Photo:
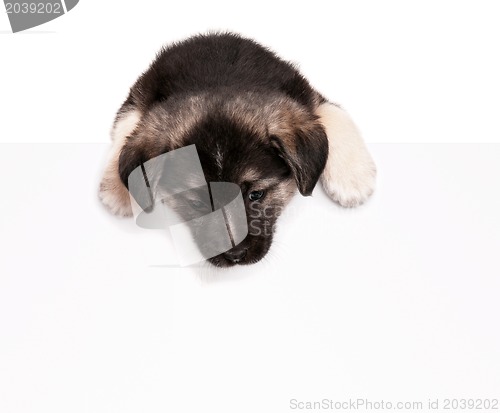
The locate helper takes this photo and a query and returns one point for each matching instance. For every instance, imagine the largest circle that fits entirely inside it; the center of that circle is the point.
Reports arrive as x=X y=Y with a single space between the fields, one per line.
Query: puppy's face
x=268 y=161
x=229 y=152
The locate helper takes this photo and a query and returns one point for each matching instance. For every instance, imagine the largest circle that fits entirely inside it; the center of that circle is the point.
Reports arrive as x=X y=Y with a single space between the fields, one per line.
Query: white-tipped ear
x=349 y=175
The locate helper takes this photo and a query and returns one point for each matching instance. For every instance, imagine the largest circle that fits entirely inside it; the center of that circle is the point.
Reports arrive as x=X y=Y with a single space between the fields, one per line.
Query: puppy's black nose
x=235 y=254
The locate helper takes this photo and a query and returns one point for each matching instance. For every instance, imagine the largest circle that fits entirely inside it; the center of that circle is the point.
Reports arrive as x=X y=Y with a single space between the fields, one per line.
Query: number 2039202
x=33 y=8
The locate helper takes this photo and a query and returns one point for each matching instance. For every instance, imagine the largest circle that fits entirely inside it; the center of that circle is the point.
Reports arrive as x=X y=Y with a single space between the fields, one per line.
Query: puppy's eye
x=197 y=205
x=255 y=195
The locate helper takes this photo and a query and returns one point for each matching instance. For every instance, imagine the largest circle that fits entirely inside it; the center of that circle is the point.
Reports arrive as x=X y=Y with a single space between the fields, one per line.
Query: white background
x=408 y=72
x=396 y=300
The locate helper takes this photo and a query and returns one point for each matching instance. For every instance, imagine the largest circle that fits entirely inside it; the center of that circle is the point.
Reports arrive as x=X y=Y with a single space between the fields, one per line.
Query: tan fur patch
x=112 y=192
x=350 y=173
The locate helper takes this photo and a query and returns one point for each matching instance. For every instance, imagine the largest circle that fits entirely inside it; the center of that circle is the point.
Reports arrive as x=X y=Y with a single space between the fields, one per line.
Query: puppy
x=255 y=121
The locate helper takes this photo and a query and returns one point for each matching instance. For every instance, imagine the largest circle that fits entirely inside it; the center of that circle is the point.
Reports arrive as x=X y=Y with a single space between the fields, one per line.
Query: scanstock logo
x=205 y=219
x=26 y=14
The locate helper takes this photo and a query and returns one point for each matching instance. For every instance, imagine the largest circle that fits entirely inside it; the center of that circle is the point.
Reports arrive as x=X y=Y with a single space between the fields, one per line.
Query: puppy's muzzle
x=235 y=254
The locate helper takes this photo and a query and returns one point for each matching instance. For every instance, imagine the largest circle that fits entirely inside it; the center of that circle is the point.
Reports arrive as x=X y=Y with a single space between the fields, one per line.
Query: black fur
x=253 y=108
x=212 y=62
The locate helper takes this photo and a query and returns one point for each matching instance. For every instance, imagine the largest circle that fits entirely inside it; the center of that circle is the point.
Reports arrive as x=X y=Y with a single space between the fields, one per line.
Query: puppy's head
x=268 y=150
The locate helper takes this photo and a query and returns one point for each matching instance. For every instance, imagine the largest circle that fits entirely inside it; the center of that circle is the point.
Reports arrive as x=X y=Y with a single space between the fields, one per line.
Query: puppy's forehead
x=233 y=152
x=248 y=164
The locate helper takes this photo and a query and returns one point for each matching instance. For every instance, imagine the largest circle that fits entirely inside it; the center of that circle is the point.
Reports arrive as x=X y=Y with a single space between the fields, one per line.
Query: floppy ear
x=305 y=151
x=133 y=175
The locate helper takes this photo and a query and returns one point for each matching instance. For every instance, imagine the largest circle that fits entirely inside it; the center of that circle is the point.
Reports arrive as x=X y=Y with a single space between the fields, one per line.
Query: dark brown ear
x=133 y=176
x=305 y=151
